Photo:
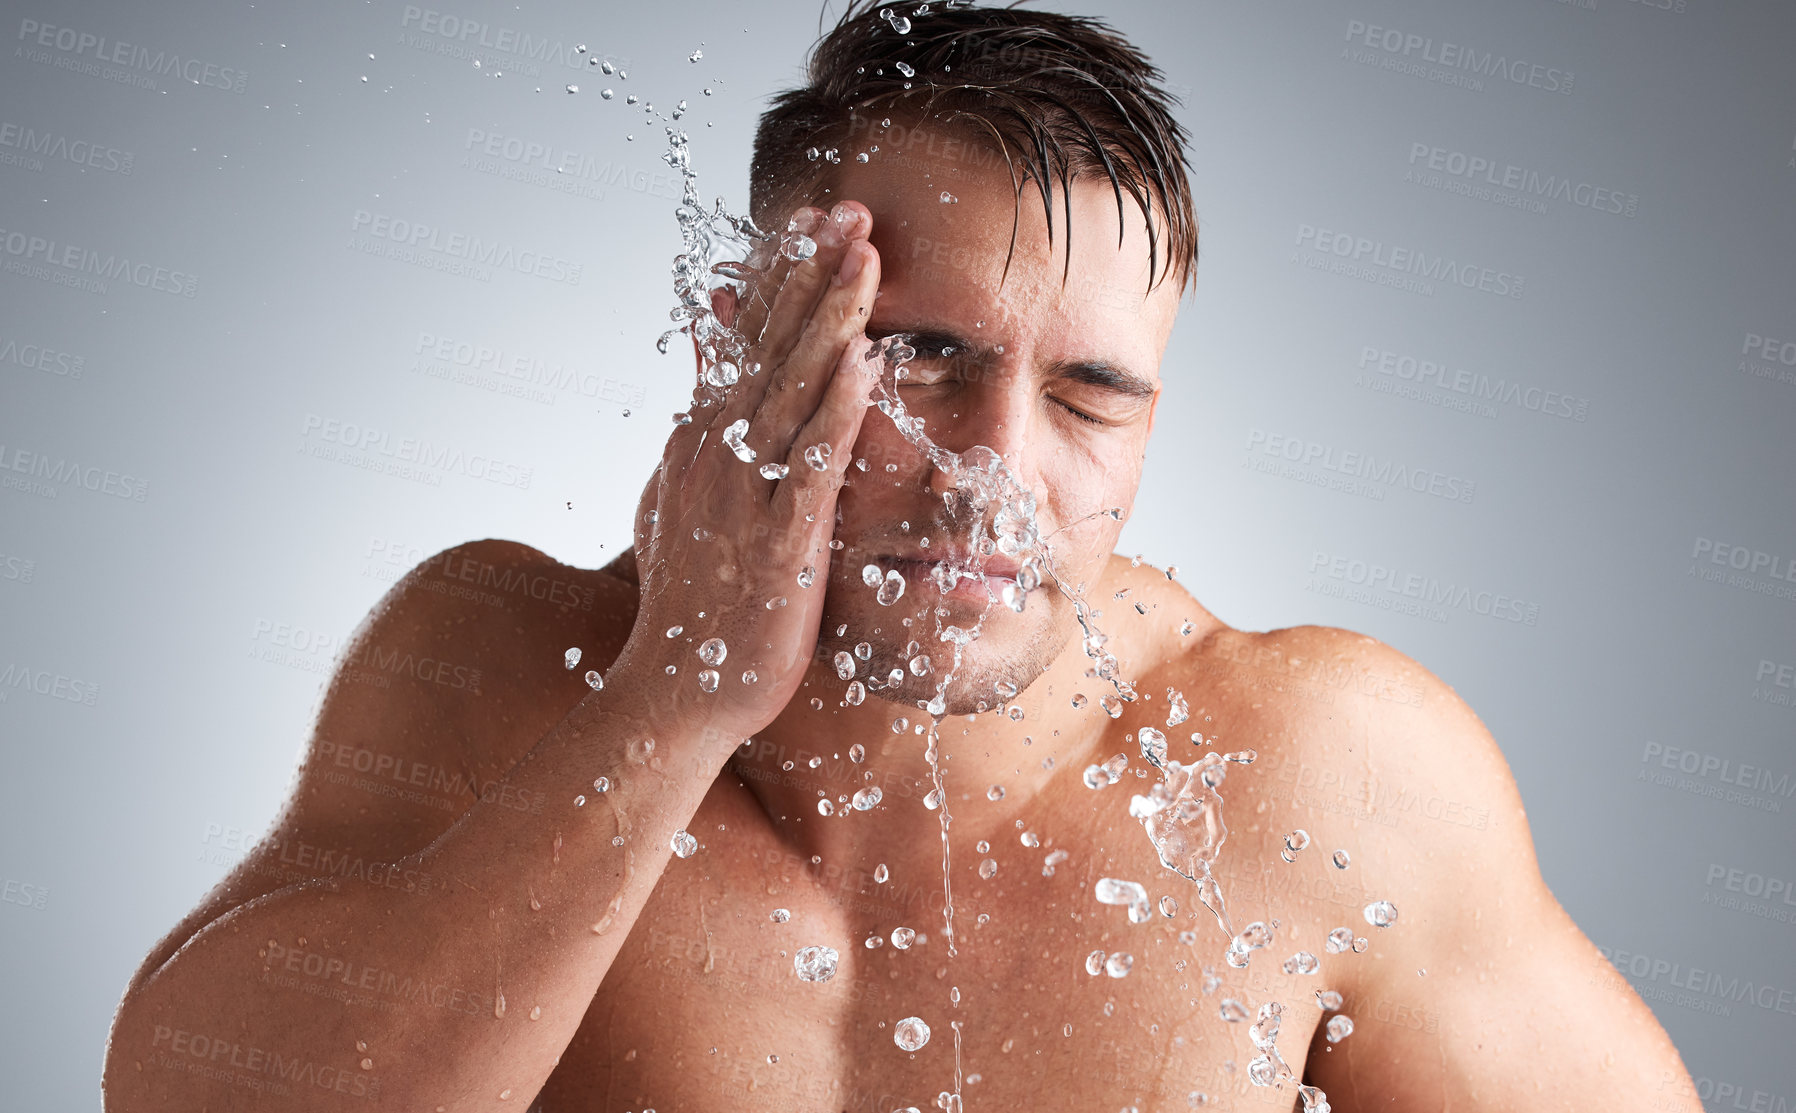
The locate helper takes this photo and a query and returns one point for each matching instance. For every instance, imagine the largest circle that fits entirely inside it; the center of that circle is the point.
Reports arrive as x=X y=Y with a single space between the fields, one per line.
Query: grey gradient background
x=136 y=779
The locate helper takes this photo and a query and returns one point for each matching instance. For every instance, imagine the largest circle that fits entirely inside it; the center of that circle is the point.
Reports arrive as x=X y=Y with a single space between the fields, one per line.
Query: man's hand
x=737 y=545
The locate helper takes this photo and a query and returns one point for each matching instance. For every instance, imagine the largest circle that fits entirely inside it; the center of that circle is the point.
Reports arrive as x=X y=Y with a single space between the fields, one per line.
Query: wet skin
x=1356 y=744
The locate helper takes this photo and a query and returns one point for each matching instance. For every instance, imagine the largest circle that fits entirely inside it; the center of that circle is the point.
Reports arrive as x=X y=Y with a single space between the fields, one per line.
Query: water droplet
x=713 y=651
x=1030 y=839
x=988 y=869
x=948 y=198
x=1232 y=1010
x=1111 y=890
x=1303 y=962
x=1113 y=769
x=675 y=631
x=815 y=964
x=891 y=588
x=806 y=575
x=1341 y=860
x=866 y=798
x=910 y=1034
x=707 y=680
x=1339 y=1028
x=857 y=692
x=572 y=657
x=684 y=845
x=1339 y=940
x=844 y=662
x=799 y=247
x=776 y=602
x=1360 y=944
x=1297 y=840
x=1381 y=913
x=995 y=793
x=1169 y=907
x=775 y=471
x=580 y=801
x=732 y=436
x=1119 y=964
x=1095 y=778
x=863 y=650
x=903 y=937
x=1153 y=745
x=573 y=88
x=1094 y=963
x=695 y=56
x=881 y=874
x=919 y=665
x=817 y=456
x=1328 y=999
x=594 y=680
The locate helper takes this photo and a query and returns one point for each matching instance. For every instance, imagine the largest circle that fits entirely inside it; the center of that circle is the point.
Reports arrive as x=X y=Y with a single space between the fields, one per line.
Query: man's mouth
x=979 y=577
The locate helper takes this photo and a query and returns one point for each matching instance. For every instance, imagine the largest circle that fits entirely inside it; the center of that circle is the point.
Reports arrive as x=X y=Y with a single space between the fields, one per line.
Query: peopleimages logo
x=75 y=47
x=426 y=461
x=28 y=147
x=473 y=250
x=28 y=254
x=1474 y=384
x=27 y=469
x=1364 y=251
x=1369 y=581
x=1362 y=465
x=1528 y=187
x=1456 y=58
x=453 y=36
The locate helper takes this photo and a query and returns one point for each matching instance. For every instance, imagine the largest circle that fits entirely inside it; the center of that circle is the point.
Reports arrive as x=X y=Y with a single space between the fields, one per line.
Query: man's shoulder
x=1306 y=684
x=494 y=583
x=493 y=616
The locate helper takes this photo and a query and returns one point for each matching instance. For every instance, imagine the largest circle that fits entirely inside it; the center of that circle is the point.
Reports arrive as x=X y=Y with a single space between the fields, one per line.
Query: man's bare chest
x=707 y=1007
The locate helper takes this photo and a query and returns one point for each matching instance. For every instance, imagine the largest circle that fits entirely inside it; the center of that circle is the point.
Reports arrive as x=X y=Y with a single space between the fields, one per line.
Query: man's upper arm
x=413 y=727
x=1483 y=994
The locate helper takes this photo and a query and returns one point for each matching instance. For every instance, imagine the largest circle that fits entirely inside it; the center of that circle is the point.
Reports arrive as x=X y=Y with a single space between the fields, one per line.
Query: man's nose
x=997 y=417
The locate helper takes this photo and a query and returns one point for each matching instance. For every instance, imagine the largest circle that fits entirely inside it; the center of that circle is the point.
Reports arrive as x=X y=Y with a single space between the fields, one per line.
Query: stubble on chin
x=1010 y=646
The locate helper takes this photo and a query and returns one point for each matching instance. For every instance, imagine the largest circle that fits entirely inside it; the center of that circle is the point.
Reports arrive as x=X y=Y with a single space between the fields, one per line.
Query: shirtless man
x=471 y=901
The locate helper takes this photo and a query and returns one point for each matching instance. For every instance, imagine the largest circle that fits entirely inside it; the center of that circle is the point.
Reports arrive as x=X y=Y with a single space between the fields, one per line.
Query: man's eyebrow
x=1105 y=376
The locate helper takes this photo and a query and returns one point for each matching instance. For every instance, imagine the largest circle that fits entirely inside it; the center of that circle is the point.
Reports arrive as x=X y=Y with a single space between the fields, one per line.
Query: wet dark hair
x=1049 y=96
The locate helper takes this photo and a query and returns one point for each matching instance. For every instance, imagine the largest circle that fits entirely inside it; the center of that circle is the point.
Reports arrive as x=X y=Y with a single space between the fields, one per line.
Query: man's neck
x=808 y=755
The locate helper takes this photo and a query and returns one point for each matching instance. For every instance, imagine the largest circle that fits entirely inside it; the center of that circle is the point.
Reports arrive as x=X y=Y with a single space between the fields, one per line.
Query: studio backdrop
x=1492 y=360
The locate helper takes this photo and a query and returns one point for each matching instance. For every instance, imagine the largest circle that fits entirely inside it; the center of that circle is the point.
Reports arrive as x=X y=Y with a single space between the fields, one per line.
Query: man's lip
x=994 y=567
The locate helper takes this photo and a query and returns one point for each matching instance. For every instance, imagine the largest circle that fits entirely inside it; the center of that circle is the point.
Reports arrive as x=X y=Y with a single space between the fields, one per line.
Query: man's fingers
x=848 y=222
x=757 y=301
x=836 y=422
x=840 y=318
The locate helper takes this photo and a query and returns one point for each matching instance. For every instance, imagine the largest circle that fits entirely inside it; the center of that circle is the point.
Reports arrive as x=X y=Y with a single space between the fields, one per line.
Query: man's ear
x=1154 y=408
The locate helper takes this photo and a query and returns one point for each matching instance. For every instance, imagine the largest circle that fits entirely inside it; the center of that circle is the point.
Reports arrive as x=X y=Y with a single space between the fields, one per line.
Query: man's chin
x=1011 y=649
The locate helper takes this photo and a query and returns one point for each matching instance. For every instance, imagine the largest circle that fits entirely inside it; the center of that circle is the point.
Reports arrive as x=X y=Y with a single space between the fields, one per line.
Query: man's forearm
x=475 y=986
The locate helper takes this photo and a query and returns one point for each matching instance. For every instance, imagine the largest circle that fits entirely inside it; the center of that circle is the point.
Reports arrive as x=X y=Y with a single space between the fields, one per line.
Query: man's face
x=1058 y=377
